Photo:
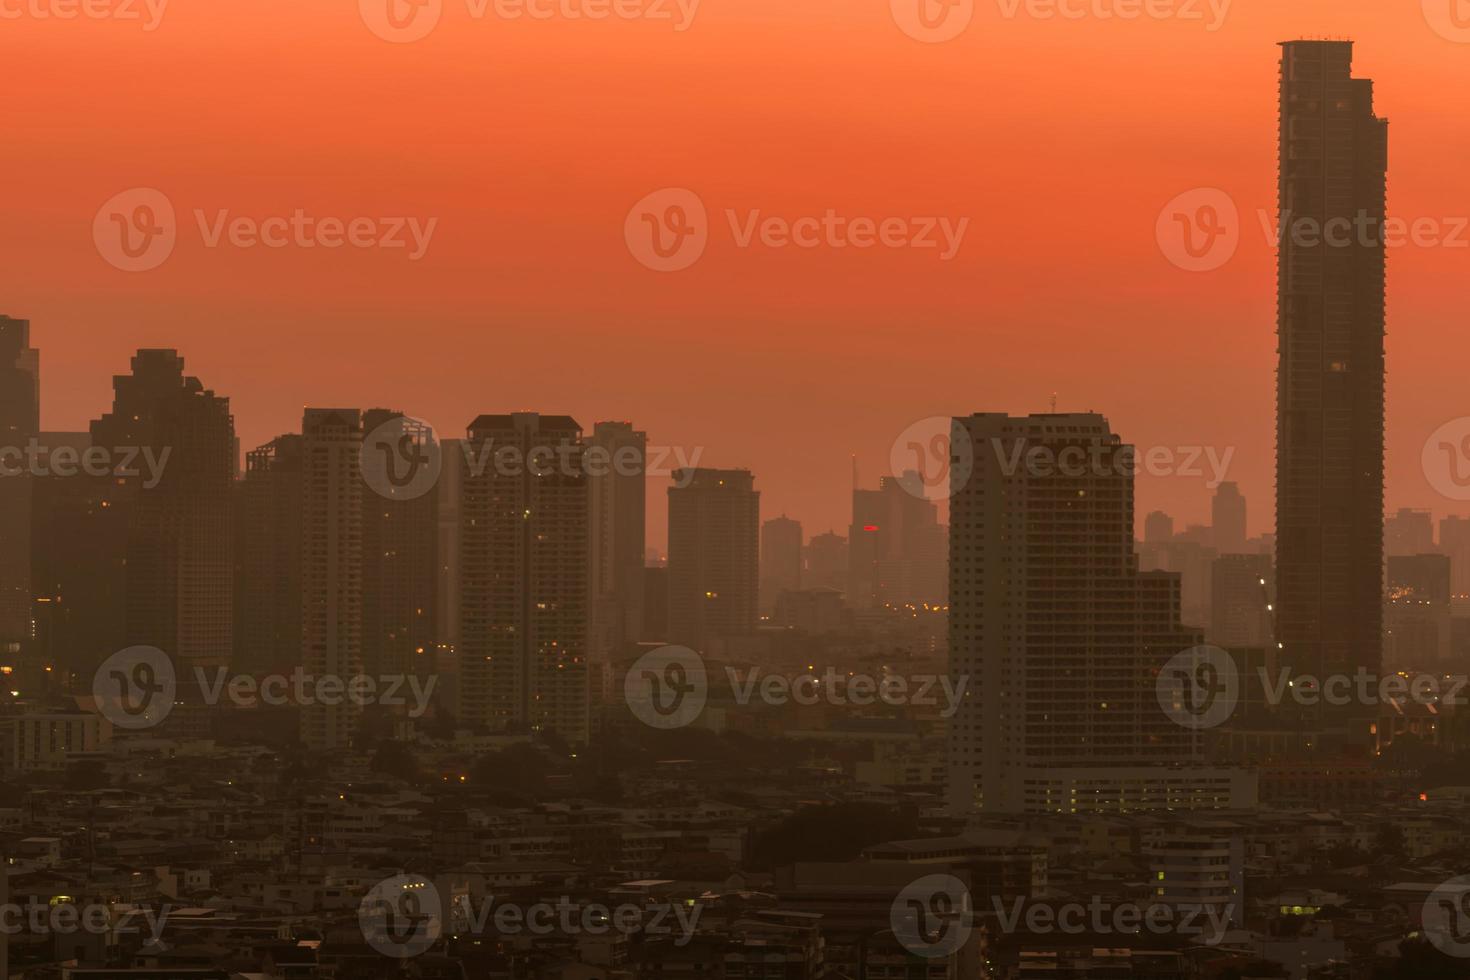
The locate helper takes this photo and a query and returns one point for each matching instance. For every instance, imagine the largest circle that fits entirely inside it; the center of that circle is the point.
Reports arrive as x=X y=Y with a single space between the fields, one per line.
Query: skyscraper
x=20 y=421
x=268 y=556
x=524 y=577
x=1330 y=377
x=331 y=569
x=1242 y=588
x=781 y=541
x=1408 y=533
x=827 y=561
x=714 y=556
x=1059 y=637
x=618 y=484
x=1228 y=519
x=399 y=570
x=179 y=567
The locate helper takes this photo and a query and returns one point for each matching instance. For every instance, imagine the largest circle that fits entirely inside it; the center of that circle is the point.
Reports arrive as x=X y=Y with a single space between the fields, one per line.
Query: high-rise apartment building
x=524 y=572
x=1407 y=533
x=827 y=562
x=400 y=544
x=268 y=557
x=1242 y=588
x=332 y=491
x=781 y=560
x=714 y=556
x=20 y=421
x=618 y=484
x=179 y=566
x=1330 y=377
x=1059 y=637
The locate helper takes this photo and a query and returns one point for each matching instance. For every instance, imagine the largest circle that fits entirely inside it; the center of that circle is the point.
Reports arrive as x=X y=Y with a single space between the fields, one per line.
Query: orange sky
x=529 y=141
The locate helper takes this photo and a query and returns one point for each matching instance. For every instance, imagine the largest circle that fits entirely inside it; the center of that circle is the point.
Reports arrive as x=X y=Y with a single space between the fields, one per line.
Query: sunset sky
x=528 y=141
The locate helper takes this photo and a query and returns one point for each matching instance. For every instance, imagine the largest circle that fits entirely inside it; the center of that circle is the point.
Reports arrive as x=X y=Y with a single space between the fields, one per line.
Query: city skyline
x=1144 y=317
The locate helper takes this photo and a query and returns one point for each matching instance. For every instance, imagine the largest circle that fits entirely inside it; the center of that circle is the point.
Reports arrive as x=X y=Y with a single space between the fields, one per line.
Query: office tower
x=1417 y=613
x=1329 y=415
x=179 y=566
x=781 y=541
x=332 y=491
x=1061 y=637
x=1242 y=590
x=20 y=422
x=827 y=561
x=714 y=556
x=1454 y=541
x=1158 y=528
x=895 y=554
x=524 y=578
x=1409 y=532
x=1228 y=519
x=617 y=480
x=399 y=568
x=268 y=559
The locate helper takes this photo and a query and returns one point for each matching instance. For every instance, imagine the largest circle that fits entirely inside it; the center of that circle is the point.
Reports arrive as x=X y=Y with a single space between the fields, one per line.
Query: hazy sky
x=527 y=142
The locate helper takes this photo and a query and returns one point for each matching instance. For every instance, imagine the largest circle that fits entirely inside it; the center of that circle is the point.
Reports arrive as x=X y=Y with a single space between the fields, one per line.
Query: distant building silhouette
x=714 y=556
x=1158 y=528
x=781 y=560
x=897 y=549
x=827 y=562
x=524 y=571
x=1407 y=533
x=1330 y=378
x=1242 y=588
x=1228 y=520
x=1417 y=617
